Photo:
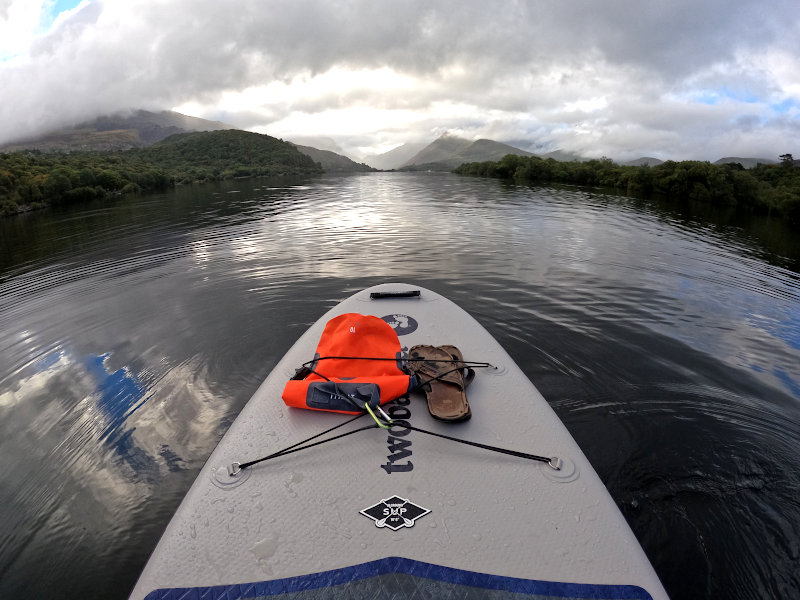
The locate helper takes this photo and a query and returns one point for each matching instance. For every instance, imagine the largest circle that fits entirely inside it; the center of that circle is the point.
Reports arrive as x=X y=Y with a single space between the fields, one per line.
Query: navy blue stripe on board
x=295 y=586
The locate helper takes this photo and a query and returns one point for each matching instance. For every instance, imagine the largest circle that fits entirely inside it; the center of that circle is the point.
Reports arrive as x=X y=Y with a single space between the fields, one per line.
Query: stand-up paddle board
x=400 y=512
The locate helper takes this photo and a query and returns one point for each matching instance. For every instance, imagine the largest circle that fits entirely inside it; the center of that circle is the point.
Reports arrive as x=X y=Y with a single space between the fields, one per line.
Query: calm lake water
x=132 y=332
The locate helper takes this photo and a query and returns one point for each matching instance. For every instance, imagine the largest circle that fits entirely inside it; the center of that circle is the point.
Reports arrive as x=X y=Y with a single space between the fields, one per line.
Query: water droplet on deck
x=265 y=548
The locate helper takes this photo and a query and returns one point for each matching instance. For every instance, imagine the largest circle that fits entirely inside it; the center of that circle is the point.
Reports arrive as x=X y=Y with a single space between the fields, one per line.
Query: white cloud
x=785 y=69
x=19 y=22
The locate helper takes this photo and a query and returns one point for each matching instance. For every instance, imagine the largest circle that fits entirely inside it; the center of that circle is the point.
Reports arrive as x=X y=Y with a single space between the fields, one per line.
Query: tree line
x=34 y=179
x=768 y=189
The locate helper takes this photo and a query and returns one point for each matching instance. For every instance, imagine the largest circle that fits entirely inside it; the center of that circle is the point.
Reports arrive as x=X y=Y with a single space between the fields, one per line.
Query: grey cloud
x=517 y=57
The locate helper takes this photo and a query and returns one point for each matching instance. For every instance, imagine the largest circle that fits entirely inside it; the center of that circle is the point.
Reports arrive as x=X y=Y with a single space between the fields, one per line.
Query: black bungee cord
x=385 y=422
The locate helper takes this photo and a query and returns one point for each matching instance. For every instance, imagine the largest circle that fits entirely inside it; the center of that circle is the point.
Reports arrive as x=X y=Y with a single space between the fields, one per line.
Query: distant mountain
x=747 y=163
x=332 y=162
x=644 y=160
x=564 y=156
x=395 y=158
x=439 y=150
x=122 y=131
x=481 y=150
x=449 y=151
x=318 y=142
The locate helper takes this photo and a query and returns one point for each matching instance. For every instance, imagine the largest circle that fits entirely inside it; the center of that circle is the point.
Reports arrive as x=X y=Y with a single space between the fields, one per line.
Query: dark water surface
x=133 y=332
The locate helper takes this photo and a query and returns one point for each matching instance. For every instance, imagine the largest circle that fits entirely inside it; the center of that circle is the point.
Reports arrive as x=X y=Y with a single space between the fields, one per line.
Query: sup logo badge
x=394 y=513
x=402 y=324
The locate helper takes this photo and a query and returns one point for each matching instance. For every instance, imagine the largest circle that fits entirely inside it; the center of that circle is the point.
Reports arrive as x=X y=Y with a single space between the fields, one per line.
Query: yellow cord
x=380 y=423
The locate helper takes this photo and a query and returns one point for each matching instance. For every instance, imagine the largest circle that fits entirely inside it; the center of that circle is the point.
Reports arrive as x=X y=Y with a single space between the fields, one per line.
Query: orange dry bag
x=358 y=361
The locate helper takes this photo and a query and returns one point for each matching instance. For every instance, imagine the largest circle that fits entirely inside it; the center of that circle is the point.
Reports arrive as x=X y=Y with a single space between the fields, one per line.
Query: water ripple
x=132 y=333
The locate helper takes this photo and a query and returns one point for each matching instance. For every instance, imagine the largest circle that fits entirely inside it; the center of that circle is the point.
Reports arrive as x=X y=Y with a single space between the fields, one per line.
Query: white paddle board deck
x=398 y=513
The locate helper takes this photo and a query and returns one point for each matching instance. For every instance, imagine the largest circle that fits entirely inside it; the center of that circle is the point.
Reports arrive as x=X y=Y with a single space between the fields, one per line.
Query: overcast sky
x=680 y=79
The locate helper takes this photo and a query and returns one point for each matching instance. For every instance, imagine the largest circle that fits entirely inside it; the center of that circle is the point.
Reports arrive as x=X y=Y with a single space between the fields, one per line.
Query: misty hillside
x=332 y=162
x=448 y=152
x=153 y=127
x=564 y=156
x=642 y=161
x=747 y=163
x=122 y=131
x=318 y=142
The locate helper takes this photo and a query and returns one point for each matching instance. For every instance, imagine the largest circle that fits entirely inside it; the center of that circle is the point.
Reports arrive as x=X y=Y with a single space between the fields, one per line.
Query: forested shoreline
x=765 y=189
x=30 y=180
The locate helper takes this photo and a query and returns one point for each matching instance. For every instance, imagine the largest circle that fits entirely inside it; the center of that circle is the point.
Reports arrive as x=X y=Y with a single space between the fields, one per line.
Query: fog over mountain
x=747 y=163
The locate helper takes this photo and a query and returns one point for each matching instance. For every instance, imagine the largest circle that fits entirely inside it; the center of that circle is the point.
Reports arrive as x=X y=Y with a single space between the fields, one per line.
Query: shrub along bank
x=768 y=189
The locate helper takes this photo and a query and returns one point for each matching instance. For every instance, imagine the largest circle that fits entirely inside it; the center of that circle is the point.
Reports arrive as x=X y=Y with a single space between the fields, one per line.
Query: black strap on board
x=235 y=468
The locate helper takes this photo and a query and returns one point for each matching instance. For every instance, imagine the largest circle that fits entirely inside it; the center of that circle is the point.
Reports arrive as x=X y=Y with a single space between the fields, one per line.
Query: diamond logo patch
x=394 y=513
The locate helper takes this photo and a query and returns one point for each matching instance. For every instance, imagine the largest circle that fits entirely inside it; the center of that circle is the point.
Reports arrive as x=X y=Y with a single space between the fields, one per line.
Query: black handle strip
x=406 y=294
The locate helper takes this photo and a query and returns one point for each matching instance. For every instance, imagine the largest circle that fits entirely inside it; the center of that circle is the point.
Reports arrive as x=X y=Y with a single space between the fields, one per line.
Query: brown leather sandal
x=444 y=378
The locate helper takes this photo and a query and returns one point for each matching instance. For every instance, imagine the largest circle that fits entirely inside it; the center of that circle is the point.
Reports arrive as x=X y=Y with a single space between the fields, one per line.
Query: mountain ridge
x=142 y=128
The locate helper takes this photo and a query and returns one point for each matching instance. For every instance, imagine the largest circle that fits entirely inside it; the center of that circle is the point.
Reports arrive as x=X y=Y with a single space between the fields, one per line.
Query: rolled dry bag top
x=358 y=360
